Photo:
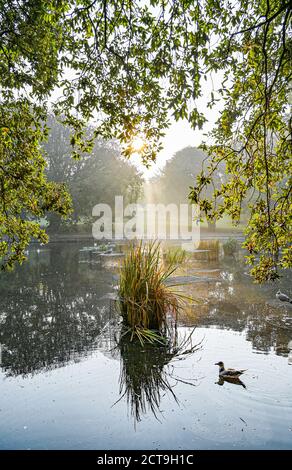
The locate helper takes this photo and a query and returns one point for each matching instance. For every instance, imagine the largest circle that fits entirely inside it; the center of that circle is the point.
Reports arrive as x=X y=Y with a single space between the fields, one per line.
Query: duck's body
x=229 y=373
x=283 y=297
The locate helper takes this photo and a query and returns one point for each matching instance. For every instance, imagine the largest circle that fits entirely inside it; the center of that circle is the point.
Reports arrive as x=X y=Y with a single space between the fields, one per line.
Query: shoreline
x=219 y=234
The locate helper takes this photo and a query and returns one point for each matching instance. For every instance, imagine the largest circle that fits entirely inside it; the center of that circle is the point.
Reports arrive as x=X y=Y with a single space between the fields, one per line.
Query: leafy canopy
x=94 y=178
x=128 y=65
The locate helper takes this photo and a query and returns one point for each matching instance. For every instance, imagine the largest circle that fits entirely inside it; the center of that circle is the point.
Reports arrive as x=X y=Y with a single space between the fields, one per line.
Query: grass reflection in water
x=147 y=373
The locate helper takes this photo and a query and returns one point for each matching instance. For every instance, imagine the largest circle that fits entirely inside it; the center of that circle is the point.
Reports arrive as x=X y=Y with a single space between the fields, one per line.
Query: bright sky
x=180 y=134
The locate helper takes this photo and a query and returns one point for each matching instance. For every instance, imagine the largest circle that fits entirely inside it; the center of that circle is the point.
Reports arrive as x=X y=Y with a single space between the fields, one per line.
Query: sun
x=138 y=144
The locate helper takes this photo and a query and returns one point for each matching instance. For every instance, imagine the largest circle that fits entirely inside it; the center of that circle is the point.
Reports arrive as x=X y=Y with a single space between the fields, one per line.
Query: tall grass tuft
x=145 y=300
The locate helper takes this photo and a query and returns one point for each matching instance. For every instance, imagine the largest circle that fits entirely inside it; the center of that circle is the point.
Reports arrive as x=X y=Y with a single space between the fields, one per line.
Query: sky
x=180 y=134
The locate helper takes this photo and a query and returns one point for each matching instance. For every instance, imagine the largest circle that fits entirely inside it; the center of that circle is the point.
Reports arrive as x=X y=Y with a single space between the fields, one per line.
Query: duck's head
x=220 y=364
x=279 y=292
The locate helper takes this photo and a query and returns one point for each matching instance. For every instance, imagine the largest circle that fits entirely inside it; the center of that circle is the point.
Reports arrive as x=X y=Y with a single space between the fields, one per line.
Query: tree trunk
x=212 y=226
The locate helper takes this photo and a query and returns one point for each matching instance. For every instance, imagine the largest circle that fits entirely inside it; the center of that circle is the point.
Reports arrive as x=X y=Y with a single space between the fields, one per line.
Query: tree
x=26 y=194
x=92 y=178
x=253 y=138
x=30 y=40
x=181 y=170
x=178 y=175
x=128 y=65
x=104 y=175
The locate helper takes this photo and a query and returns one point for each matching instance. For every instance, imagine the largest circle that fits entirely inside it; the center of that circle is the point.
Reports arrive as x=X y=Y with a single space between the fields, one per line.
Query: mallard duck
x=230 y=373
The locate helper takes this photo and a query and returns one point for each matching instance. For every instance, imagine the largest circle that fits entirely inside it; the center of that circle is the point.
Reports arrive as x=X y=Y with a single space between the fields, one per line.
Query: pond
x=67 y=382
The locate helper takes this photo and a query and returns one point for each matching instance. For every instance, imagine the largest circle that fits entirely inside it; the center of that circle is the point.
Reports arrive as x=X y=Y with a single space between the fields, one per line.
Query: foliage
x=253 y=136
x=179 y=173
x=93 y=178
x=145 y=299
x=26 y=194
x=30 y=41
x=129 y=65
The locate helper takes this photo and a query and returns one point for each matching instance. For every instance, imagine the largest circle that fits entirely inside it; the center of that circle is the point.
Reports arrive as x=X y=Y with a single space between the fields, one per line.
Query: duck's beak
x=216 y=364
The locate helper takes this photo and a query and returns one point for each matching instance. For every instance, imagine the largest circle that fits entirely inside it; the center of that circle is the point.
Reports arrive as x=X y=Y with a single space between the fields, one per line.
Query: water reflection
x=54 y=311
x=147 y=373
x=51 y=312
x=235 y=381
x=227 y=298
x=33 y=342
x=54 y=308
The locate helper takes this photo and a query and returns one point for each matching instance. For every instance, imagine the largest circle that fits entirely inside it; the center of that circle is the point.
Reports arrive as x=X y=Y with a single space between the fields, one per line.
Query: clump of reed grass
x=145 y=300
x=174 y=256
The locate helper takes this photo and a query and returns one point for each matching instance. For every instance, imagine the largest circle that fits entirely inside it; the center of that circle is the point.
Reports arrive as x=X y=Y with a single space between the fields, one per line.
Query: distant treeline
x=101 y=175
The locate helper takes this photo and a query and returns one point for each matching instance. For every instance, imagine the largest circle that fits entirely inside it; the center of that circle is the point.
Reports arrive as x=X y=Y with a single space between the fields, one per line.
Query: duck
x=283 y=297
x=230 y=373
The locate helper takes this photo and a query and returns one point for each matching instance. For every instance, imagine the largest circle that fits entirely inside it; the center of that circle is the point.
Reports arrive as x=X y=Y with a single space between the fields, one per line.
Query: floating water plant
x=147 y=304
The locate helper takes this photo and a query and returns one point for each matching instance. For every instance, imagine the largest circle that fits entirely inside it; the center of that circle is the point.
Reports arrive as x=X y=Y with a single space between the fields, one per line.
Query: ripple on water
x=266 y=402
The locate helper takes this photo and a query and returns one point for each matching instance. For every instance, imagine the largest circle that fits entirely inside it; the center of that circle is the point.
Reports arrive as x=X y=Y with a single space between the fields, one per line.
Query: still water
x=67 y=382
